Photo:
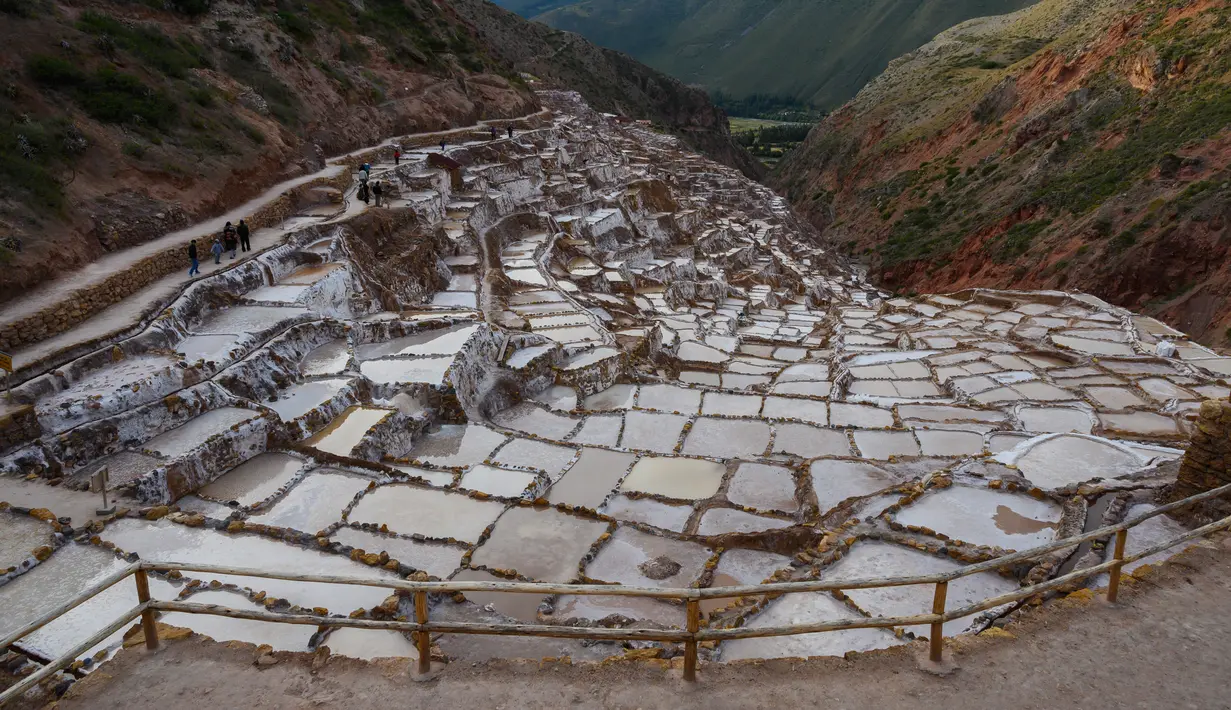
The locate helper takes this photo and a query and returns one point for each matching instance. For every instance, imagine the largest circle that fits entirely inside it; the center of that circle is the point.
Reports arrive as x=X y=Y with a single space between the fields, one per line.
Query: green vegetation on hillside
x=815 y=53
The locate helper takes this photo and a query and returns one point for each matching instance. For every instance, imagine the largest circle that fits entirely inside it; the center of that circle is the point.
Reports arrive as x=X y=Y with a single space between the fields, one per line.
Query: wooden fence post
x=1113 y=588
x=147 y=616
x=937 y=636
x=690 y=646
x=423 y=638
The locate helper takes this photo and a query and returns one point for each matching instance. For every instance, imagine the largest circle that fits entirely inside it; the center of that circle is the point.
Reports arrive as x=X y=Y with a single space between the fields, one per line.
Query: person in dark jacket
x=244 y=234
x=194 y=267
x=510 y=130
x=377 y=191
x=229 y=242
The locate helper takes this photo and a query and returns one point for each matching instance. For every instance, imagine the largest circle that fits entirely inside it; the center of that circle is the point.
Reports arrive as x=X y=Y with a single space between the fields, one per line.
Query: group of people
x=233 y=238
x=369 y=188
x=236 y=238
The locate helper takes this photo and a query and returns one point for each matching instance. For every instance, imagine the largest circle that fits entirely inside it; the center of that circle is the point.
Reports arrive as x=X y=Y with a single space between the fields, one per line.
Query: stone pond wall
x=1207 y=464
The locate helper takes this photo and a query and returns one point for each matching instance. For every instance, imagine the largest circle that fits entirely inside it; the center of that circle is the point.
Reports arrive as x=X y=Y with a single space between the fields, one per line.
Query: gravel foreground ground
x=1167 y=644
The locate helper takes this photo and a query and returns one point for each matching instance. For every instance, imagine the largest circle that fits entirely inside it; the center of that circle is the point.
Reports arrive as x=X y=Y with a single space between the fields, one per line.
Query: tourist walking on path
x=443 y=143
x=397 y=155
x=195 y=265
x=493 y=133
x=244 y=233
x=228 y=239
x=377 y=190
x=217 y=251
x=510 y=130
x=363 y=191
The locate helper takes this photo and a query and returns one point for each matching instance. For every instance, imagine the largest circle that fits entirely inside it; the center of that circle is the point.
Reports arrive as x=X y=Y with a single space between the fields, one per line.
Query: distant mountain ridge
x=816 y=51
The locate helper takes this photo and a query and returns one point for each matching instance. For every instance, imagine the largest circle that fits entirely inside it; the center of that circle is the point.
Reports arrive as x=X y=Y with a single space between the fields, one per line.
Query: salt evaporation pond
x=435 y=514
x=543 y=545
x=167 y=542
x=344 y=433
x=65 y=574
x=315 y=502
x=282 y=637
x=187 y=437
x=981 y=516
x=254 y=480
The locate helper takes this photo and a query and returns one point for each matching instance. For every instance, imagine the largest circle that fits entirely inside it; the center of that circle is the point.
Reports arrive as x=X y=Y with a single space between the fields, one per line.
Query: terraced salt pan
x=806 y=608
x=254 y=480
x=870 y=559
x=575 y=334
x=842 y=414
x=731 y=405
x=528 y=453
x=437 y=559
x=499 y=482
x=65 y=574
x=943 y=442
x=239 y=320
x=344 y=433
x=282 y=637
x=1058 y=420
x=329 y=359
x=884 y=444
x=1142 y=423
x=669 y=398
x=739 y=567
x=276 y=294
x=727 y=438
x=789 y=408
x=457 y=445
x=649 y=431
x=678 y=478
x=1060 y=460
x=437 y=514
x=720 y=521
x=19 y=536
x=544 y=545
x=455 y=299
x=648 y=511
x=441 y=341
x=834 y=481
x=985 y=517
x=808 y=442
x=210 y=348
x=588 y=482
x=592 y=357
x=531 y=419
x=297 y=400
x=524 y=356
x=425 y=370
x=315 y=503
x=165 y=541
x=630 y=553
x=616 y=397
x=599 y=430
x=186 y=438
x=763 y=487
x=558 y=398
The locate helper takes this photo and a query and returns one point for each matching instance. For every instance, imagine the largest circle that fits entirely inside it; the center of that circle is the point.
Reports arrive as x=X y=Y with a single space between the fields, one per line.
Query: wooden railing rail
x=422 y=627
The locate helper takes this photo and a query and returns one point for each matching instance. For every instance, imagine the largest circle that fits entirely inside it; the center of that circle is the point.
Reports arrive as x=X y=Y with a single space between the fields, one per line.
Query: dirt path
x=1167 y=645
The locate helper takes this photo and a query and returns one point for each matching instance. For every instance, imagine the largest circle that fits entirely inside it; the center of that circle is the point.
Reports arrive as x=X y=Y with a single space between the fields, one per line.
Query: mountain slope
x=123 y=121
x=1076 y=144
x=818 y=52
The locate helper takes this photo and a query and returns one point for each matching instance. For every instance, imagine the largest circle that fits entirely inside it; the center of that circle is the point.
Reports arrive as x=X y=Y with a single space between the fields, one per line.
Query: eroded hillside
x=1076 y=145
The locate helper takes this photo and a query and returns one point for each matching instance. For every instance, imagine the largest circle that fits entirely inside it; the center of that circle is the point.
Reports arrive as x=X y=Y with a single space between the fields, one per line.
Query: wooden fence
x=422 y=627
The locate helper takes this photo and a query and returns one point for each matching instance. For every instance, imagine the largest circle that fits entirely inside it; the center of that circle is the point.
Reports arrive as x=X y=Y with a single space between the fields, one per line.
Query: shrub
x=133 y=150
x=115 y=97
x=54 y=71
x=173 y=57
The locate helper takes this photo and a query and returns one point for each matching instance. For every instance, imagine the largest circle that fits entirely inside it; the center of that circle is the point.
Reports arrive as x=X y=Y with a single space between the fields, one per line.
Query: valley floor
x=1167 y=644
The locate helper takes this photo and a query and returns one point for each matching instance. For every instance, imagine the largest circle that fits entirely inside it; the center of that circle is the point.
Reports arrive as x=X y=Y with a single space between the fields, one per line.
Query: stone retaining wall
x=1207 y=464
x=19 y=426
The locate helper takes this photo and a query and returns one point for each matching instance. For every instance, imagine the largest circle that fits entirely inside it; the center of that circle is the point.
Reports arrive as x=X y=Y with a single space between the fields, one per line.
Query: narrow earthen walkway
x=1167 y=645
